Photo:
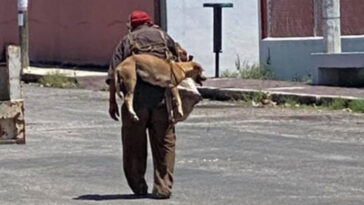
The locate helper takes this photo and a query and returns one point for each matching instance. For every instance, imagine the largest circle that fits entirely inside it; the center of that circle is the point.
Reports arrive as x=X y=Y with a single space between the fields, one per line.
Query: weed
x=289 y=102
x=336 y=104
x=58 y=80
x=258 y=96
x=246 y=70
x=229 y=74
x=357 y=106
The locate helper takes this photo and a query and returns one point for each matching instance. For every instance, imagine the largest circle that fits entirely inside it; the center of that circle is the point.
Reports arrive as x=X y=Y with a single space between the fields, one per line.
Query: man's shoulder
x=144 y=29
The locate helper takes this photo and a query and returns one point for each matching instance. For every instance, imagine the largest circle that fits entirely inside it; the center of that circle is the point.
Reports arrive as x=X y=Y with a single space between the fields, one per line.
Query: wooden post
x=23 y=32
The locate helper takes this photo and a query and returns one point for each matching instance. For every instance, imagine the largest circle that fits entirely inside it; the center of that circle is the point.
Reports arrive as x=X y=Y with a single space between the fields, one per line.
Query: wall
x=290 y=58
x=68 y=31
x=295 y=18
x=192 y=25
x=8 y=25
x=287 y=50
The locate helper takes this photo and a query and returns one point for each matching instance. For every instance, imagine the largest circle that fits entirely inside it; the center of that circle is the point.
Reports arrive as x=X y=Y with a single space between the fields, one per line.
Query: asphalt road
x=226 y=154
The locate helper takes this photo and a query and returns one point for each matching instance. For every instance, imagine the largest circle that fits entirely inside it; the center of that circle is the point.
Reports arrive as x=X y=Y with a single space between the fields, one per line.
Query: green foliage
x=258 y=96
x=290 y=101
x=58 y=80
x=228 y=74
x=357 y=106
x=336 y=104
x=246 y=70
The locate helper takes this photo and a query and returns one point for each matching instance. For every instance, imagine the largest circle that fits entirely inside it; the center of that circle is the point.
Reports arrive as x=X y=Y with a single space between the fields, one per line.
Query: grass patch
x=290 y=102
x=229 y=74
x=261 y=99
x=336 y=104
x=245 y=70
x=257 y=97
x=58 y=80
x=357 y=106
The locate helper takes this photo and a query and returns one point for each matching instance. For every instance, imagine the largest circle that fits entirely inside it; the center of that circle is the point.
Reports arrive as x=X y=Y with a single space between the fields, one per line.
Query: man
x=149 y=104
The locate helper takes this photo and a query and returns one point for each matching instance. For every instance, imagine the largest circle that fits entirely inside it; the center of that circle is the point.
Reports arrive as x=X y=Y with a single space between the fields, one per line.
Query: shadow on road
x=97 y=197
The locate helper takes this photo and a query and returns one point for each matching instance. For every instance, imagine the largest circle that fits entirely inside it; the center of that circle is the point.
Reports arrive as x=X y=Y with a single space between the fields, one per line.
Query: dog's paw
x=135 y=118
x=179 y=114
x=171 y=121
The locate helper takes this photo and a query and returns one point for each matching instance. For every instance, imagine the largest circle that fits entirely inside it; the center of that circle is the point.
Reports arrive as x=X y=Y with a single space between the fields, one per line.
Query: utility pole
x=218 y=31
x=331 y=26
x=23 y=32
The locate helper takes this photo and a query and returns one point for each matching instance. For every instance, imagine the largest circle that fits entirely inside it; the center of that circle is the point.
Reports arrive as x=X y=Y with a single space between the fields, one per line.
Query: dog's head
x=198 y=76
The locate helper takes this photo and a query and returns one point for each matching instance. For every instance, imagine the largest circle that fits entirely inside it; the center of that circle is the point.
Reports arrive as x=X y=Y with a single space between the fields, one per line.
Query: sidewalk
x=223 y=88
x=231 y=88
x=92 y=80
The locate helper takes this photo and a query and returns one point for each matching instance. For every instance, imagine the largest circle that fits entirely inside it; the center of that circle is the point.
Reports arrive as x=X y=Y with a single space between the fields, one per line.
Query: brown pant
x=162 y=138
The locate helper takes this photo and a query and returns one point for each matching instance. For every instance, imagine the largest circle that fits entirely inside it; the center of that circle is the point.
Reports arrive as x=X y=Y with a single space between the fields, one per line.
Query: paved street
x=226 y=154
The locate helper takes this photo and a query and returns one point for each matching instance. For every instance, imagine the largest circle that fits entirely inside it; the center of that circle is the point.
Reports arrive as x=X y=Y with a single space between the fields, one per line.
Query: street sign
x=218 y=30
x=22 y=5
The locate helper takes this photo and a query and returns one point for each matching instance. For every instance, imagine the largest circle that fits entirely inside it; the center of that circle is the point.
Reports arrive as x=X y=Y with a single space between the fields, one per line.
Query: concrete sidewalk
x=231 y=88
x=224 y=88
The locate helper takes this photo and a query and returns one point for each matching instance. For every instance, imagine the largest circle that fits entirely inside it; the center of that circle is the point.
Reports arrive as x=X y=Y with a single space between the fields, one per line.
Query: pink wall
x=8 y=25
x=69 y=31
x=294 y=18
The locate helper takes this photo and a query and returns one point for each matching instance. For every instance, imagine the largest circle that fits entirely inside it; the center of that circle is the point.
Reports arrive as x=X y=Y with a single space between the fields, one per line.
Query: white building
x=191 y=24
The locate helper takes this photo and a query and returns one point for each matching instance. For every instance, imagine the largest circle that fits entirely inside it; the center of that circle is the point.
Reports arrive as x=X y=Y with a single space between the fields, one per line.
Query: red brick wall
x=291 y=18
x=69 y=31
x=294 y=18
x=352 y=20
x=8 y=25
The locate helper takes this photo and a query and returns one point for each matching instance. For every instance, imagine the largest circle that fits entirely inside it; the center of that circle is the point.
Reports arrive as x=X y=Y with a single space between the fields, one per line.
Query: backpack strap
x=159 y=46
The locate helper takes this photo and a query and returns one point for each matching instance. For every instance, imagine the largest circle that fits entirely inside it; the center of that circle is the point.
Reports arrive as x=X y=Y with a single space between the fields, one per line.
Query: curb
x=30 y=78
x=224 y=94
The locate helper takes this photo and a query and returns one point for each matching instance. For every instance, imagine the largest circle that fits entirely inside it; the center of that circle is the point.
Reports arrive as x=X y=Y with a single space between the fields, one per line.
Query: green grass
x=337 y=104
x=292 y=102
x=357 y=106
x=58 y=80
x=229 y=74
x=257 y=97
x=245 y=70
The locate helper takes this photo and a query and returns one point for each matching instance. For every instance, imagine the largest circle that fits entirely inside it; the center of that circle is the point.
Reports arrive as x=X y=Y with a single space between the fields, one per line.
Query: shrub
x=357 y=106
x=58 y=80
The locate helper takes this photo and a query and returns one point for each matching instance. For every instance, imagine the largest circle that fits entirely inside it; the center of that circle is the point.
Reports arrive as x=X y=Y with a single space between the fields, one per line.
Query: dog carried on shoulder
x=159 y=72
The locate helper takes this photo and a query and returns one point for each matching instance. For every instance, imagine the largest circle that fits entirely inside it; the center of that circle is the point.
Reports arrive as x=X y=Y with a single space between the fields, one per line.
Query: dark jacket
x=143 y=39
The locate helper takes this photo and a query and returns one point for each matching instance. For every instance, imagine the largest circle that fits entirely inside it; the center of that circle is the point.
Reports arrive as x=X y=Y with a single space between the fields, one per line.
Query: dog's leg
x=129 y=98
x=178 y=102
x=129 y=77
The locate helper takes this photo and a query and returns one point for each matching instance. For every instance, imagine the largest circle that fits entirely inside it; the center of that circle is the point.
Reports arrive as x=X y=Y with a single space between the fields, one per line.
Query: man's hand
x=113 y=105
x=114 y=110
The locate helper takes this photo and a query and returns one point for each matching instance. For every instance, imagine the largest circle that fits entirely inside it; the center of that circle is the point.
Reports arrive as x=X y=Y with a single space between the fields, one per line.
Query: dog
x=156 y=71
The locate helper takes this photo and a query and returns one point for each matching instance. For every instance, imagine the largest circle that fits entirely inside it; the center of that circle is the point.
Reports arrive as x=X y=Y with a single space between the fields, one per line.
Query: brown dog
x=155 y=71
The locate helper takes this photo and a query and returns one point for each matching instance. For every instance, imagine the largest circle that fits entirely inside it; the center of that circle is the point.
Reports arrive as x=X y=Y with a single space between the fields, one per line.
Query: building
x=192 y=25
x=291 y=30
x=82 y=32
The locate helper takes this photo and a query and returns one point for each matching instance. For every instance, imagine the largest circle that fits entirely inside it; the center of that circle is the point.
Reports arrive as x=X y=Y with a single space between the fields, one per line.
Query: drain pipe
x=331 y=26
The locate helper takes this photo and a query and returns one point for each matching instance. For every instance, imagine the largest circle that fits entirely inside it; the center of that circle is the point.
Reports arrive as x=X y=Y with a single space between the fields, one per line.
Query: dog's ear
x=190 y=57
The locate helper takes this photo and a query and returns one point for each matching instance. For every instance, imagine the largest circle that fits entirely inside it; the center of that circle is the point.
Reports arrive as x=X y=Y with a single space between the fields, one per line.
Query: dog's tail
x=117 y=80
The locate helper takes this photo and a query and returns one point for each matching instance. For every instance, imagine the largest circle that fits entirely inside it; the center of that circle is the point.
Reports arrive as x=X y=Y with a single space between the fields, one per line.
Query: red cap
x=138 y=18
